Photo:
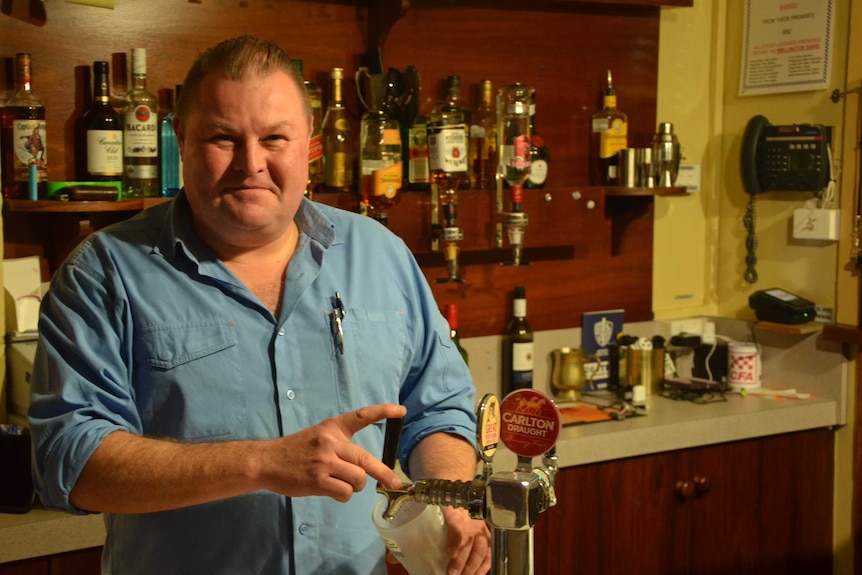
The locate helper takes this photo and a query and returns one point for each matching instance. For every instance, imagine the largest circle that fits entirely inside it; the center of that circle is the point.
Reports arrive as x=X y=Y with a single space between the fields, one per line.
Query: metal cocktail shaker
x=666 y=155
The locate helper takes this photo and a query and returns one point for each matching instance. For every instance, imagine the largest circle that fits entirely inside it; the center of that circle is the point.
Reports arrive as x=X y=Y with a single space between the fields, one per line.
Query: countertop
x=668 y=425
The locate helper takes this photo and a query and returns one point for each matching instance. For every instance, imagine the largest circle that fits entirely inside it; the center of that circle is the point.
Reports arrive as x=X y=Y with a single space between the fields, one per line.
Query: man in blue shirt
x=192 y=382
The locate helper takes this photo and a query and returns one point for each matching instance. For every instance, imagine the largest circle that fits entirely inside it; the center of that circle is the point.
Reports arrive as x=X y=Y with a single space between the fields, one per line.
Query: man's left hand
x=468 y=543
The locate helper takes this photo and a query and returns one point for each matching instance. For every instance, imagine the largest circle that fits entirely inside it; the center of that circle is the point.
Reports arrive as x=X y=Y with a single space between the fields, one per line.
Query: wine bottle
x=140 y=134
x=338 y=151
x=169 y=149
x=452 y=317
x=100 y=134
x=609 y=136
x=23 y=136
x=517 y=369
x=315 y=144
x=483 y=140
x=539 y=155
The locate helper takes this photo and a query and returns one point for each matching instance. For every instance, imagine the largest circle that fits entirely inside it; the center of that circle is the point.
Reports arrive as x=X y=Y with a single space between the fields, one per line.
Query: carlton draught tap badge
x=530 y=422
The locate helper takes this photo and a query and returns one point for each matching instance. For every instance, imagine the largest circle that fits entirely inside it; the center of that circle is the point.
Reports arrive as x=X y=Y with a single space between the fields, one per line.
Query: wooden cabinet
x=761 y=506
x=84 y=562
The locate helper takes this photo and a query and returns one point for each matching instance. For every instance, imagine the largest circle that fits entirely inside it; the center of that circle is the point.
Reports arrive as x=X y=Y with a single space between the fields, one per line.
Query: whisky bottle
x=315 y=144
x=169 y=149
x=451 y=314
x=140 y=134
x=101 y=134
x=337 y=141
x=452 y=102
x=23 y=136
x=609 y=136
x=540 y=157
x=483 y=140
x=517 y=369
x=448 y=142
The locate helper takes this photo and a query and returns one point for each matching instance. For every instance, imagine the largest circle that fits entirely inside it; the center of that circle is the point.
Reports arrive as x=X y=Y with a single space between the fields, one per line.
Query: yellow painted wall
x=699 y=244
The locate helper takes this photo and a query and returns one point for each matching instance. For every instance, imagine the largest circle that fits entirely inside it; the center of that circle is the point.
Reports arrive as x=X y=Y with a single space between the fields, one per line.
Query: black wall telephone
x=793 y=157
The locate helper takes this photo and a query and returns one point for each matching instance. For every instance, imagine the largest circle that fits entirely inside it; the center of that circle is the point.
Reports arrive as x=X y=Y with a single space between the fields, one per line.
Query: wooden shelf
x=49 y=206
x=797 y=329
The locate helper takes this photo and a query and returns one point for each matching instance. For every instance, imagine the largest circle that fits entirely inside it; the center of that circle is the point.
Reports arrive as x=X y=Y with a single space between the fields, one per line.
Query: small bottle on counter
x=452 y=317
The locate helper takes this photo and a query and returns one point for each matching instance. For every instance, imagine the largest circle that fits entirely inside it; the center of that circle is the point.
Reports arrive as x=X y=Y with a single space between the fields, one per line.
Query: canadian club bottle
x=23 y=136
x=101 y=133
x=540 y=157
x=140 y=134
x=338 y=151
x=452 y=318
x=517 y=353
x=609 y=136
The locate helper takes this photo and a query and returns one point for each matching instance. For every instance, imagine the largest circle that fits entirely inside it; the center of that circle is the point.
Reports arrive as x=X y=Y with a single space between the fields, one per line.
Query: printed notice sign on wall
x=787 y=46
x=96 y=3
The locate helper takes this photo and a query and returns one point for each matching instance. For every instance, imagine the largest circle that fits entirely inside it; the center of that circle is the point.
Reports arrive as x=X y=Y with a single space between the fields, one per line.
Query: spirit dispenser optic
x=448 y=159
x=513 y=143
x=528 y=423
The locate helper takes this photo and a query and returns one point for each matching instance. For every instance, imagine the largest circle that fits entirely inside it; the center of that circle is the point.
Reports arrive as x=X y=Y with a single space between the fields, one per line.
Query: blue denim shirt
x=144 y=330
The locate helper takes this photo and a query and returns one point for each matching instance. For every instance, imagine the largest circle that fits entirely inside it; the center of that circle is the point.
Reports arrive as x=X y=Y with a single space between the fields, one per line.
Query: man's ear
x=179 y=132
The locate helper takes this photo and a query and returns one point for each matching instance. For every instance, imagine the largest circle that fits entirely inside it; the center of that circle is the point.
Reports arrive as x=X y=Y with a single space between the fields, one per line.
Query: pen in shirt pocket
x=336 y=325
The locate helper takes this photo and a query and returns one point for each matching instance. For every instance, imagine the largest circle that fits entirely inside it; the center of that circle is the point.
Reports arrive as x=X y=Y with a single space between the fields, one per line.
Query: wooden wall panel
x=562 y=49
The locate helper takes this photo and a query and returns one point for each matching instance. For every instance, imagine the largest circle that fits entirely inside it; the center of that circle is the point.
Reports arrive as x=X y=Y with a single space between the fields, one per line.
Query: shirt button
x=290 y=394
x=166 y=355
x=281 y=331
x=304 y=529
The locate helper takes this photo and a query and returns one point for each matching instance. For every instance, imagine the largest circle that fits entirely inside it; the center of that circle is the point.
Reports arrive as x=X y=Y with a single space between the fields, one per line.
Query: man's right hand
x=322 y=459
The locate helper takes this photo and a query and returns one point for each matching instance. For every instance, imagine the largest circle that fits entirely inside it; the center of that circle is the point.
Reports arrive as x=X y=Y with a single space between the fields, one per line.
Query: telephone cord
x=750 y=274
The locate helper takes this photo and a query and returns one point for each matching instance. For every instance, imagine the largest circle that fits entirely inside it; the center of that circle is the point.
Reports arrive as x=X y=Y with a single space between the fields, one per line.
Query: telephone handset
x=792 y=157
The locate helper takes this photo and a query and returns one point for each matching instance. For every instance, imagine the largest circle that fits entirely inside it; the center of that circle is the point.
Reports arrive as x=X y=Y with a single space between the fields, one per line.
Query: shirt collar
x=177 y=231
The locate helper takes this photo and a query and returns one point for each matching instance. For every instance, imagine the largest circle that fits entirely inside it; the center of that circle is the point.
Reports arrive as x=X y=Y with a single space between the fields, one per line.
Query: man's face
x=244 y=147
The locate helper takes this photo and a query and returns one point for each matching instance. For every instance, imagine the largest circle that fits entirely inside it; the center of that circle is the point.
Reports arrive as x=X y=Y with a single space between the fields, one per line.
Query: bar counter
x=669 y=425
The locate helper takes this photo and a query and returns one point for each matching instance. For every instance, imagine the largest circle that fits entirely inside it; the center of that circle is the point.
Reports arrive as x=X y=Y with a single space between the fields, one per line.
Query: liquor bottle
x=140 y=134
x=418 y=173
x=539 y=155
x=315 y=144
x=452 y=317
x=452 y=102
x=100 y=134
x=483 y=140
x=448 y=143
x=169 y=149
x=517 y=354
x=337 y=141
x=380 y=163
x=609 y=136
x=23 y=136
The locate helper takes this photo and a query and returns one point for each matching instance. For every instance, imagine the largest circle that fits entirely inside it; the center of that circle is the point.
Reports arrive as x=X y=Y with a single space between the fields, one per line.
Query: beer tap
x=528 y=423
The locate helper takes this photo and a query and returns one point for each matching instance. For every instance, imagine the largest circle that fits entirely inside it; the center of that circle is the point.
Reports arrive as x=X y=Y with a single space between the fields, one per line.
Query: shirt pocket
x=374 y=361
x=189 y=383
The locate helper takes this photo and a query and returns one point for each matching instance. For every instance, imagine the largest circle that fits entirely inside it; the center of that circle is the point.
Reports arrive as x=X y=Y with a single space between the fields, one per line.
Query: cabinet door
x=769 y=506
x=760 y=506
x=616 y=518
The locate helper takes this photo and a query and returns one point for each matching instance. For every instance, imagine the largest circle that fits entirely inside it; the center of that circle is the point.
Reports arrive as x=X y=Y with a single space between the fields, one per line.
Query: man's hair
x=236 y=59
